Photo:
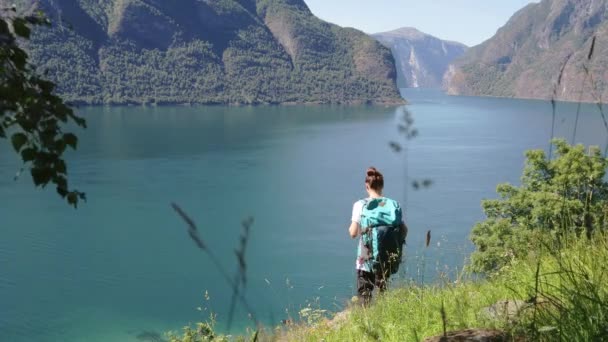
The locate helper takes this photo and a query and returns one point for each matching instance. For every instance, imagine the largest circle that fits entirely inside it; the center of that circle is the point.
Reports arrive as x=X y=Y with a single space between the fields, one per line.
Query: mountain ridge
x=404 y=30
x=209 y=51
x=421 y=59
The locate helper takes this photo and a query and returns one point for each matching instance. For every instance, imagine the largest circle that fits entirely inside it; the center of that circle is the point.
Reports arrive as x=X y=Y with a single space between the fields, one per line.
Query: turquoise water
x=122 y=264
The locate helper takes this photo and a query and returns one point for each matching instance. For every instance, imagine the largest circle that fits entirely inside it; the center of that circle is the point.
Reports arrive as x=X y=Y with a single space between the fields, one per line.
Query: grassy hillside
x=567 y=300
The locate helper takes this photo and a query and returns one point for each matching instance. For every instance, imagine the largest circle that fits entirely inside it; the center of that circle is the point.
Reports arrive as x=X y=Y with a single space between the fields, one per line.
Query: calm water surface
x=122 y=264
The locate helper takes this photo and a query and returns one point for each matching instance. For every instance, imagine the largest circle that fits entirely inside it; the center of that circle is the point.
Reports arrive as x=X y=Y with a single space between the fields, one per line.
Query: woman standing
x=377 y=221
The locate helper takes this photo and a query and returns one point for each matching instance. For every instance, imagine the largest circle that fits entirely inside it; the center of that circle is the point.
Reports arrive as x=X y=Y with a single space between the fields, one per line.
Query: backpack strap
x=365 y=201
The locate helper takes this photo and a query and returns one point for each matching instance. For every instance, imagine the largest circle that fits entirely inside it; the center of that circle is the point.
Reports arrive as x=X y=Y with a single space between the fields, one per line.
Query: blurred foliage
x=200 y=333
x=407 y=131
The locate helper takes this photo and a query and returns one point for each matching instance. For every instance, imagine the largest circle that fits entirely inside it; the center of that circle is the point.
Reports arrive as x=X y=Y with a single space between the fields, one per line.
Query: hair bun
x=374 y=179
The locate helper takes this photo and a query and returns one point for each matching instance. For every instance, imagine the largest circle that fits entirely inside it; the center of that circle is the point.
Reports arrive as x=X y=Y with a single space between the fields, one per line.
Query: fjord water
x=122 y=267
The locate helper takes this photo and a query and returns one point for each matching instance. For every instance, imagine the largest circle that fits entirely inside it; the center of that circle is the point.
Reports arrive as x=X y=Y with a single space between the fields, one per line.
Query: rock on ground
x=471 y=335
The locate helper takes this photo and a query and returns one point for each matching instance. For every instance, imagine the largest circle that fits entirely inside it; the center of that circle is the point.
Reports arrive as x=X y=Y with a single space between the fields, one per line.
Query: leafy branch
x=30 y=113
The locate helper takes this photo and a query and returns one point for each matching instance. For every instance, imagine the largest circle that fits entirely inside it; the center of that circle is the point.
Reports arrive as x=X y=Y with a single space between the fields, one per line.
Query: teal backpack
x=382 y=235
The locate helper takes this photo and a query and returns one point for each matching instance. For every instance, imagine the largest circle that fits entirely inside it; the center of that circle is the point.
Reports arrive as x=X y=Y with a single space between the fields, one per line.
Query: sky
x=466 y=21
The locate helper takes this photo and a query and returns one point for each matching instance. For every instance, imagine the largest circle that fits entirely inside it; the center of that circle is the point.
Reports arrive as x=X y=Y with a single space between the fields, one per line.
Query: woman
x=384 y=232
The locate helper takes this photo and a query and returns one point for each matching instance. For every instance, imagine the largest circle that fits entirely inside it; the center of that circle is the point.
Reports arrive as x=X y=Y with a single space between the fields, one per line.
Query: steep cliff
x=421 y=59
x=525 y=57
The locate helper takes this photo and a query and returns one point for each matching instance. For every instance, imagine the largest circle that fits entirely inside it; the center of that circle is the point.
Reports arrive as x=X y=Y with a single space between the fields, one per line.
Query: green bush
x=567 y=193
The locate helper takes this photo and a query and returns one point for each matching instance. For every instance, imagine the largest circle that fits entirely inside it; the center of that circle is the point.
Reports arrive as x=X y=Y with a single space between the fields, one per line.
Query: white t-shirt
x=356 y=217
x=357 y=210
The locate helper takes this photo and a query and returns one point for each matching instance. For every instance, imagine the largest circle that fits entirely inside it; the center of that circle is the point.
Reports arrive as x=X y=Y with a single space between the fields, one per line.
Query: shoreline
x=396 y=103
x=524 y=98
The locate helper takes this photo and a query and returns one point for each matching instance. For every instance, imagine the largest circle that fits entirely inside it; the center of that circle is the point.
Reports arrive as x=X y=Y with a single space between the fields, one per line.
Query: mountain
x=526 y=56
x=206 y=51
x=421 y=59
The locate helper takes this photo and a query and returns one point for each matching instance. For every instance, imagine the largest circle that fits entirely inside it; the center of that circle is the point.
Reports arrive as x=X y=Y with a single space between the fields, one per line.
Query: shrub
x=567 y=193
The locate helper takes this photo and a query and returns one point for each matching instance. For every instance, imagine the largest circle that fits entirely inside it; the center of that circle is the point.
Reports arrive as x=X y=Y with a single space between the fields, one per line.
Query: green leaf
x=28 y=154
x=73 y=199
x=41 y=176
x=60 y=166
x=37 y=19
x=62 y=191
x=547 y=328
x=18 y=140
x=71 y=140
x=21 y=28
x=62 y=184
x=80 y=121
x=60 y=146
x=46 y=86
x=3 y=27
x=19 y=58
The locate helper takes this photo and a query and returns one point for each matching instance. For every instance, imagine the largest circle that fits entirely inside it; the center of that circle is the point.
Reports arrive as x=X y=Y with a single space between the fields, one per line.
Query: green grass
x=570 y=290
x=411 y=313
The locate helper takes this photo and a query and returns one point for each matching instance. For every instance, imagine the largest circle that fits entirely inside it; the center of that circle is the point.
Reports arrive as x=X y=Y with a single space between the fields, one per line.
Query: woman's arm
x=354 y=229
x=355 y=225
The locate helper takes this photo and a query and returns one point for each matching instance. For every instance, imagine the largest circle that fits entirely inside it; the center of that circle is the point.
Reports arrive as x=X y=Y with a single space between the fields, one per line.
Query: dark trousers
x=366 y=281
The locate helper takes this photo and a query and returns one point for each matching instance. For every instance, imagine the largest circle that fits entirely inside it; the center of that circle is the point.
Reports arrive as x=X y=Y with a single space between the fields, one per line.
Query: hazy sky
x=467 y=21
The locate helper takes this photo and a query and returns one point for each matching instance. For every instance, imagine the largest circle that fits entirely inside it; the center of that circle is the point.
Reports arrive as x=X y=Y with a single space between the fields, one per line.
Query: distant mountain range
x=421 y=59
x=525 y=57
x=206 y=51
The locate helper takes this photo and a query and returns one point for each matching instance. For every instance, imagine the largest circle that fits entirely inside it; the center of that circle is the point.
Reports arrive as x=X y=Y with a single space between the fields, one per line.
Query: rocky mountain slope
x=421 y=59
x=206 y=51
x=525 y=57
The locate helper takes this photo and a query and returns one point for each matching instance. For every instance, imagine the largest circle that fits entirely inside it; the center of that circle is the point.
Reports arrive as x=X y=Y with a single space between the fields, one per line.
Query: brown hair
x=374 y=179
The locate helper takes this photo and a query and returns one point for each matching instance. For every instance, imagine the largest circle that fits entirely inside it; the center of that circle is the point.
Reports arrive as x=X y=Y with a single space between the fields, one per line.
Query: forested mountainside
x=206 y=51
x=421 y=59
x=526 y=56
